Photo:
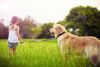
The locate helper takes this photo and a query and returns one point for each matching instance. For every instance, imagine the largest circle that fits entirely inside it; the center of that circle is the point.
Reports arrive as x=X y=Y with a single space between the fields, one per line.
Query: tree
x=26 y=27
x=36 y=31
x=45 y=30
x=3 y=31
x=86 y=19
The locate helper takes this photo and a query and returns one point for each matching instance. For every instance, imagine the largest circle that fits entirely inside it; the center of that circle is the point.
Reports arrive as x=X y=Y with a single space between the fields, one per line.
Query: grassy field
x=38 y=53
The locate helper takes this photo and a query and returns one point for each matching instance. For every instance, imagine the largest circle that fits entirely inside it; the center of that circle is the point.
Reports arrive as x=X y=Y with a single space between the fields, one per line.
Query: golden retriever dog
x=88 y=44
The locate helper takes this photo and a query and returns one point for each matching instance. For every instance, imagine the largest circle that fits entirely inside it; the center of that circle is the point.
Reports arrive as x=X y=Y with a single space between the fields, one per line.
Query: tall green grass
x=39 y=53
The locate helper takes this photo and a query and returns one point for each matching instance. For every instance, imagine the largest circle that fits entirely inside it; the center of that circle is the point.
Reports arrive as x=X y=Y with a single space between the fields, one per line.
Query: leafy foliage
x=36 y=31
x=45 y=30
x=86 y=19
x=3 y=31
x=26 y=27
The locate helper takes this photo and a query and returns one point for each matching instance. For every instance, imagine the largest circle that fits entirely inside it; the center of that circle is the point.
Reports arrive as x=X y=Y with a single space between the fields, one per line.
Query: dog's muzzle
x=51 y=32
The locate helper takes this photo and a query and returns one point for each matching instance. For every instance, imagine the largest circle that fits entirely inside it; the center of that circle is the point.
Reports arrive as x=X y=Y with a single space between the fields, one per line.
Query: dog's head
x=57 y=29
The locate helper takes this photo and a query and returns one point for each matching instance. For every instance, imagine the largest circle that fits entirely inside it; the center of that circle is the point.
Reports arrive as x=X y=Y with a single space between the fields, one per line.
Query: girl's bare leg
x=14 y=51
x=10 y=52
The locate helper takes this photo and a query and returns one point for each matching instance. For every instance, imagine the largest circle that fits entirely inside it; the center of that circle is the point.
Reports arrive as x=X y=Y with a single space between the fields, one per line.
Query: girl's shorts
x=12 y=45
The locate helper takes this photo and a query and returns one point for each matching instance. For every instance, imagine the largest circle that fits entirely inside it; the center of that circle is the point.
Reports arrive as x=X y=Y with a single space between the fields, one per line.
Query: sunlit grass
x=38 y=53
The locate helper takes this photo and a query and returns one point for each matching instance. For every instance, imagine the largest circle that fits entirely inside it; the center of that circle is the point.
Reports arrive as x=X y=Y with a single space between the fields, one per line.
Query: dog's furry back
x=88 y=44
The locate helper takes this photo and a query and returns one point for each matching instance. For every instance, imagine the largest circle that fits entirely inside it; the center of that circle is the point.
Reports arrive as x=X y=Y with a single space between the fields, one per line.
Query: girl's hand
x=21 y=41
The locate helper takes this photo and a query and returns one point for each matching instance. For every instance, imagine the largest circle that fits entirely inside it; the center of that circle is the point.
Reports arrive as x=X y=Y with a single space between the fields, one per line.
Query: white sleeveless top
x=12 y=37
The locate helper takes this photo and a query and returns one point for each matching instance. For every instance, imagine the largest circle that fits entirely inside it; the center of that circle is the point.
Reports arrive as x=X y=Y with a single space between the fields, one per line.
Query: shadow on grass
x=6 y=62
x=77 y=61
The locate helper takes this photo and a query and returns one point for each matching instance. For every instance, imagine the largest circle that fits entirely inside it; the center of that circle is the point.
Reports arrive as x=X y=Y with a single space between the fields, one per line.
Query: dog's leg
x=92 y=53
x=94 y=60
x=64 y=52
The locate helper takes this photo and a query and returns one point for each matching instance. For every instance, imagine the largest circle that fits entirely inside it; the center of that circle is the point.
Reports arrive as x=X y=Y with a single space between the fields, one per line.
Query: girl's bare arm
x=19 y=37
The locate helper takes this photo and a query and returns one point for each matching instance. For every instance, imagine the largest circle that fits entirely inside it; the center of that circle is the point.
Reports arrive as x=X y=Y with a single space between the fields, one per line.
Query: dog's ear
x=59 y=29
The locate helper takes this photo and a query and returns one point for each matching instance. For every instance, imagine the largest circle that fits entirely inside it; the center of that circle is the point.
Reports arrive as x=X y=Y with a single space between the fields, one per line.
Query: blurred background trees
x=3 y=31
x=45 y=30
x=81 y=21
x=26 y=26
x=29 y=28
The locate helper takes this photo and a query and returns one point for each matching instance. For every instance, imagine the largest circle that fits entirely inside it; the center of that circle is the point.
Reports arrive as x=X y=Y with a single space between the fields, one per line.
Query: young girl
x=14 y=36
